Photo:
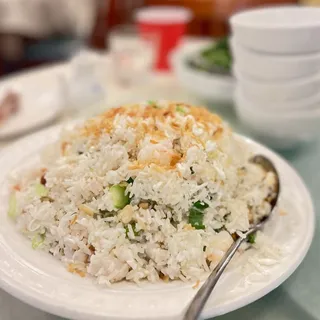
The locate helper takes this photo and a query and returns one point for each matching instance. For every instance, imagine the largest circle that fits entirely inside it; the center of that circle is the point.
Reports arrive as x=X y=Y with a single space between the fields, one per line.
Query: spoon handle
x=204 y=292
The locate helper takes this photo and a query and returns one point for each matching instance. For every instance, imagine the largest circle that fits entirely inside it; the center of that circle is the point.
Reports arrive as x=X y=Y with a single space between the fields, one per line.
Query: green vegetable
x=196 y=214
x=200 y=205
x=38 y=240
x=196 y=218
x=153 y=104
x=222 y=43
x=119 y=198
x=130 y=181
x=216 y=58
x=218 y=54
x=41 y=190
x=12 y=211
x=135 y=232
x=251 y=238
x=180 y=109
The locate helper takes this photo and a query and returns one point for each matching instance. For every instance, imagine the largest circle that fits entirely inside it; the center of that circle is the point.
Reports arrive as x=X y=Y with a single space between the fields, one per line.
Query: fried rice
x=156 y=190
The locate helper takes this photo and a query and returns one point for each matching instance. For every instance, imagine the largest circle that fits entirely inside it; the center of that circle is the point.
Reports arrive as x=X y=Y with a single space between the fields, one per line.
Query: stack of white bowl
x=277 y=65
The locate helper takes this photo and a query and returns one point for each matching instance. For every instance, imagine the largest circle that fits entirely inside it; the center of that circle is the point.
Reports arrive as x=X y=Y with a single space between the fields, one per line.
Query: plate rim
x=64 y=311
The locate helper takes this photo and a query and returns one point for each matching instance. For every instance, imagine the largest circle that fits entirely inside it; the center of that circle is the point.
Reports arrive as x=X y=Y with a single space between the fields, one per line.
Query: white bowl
x=288 y=29
x=274 y=67
x=277 y=91
x=279 y=130
x=305 y=104
x=210 y=87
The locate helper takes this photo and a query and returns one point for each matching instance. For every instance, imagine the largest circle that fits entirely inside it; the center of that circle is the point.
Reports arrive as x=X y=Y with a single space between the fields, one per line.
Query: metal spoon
x=203 y=294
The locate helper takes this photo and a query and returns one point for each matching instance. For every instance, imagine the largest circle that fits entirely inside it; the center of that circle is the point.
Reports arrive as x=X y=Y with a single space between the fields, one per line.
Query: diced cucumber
x=37 y=241
x=12 y=211
x=41 y=190
x=119 y=198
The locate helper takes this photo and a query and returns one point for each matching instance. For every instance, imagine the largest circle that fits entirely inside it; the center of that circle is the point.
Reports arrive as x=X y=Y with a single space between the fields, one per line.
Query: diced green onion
x=196 y=218
x=200 y=205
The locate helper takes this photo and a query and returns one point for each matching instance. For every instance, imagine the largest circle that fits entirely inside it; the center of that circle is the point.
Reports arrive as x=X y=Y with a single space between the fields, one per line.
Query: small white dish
x=39 y=280
x=281 y=130
x=277 y=91
x=210 y=87
x=279 y=30
x=41 y=102
x=272 y=67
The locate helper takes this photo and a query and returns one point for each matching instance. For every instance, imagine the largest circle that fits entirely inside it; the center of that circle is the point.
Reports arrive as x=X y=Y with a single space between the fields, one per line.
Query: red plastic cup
x=166 y=23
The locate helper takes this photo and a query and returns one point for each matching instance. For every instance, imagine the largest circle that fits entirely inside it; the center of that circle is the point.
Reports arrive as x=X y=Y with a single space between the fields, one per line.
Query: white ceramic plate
x=38 y=279
x=42 y=100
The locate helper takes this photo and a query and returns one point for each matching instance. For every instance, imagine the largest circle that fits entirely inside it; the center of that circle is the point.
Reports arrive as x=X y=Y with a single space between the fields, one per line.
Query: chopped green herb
x=191 y=169
x=251 y=238
x=12 y=211
x=196 y=214
x=204 y=248
x=196 y=218
x=119 y=197
x=200 y=205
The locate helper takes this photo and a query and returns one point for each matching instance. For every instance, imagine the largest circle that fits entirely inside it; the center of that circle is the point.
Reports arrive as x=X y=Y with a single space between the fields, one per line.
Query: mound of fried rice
x=156 y=190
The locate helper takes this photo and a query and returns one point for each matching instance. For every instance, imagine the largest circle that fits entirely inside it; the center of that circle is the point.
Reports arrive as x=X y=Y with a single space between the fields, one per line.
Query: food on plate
x=156 y=190
x=216 y=58
x=9 y=105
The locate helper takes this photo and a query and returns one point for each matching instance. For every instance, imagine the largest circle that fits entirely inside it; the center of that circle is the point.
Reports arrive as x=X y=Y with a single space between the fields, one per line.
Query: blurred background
x=65 y=59
x=35 y=32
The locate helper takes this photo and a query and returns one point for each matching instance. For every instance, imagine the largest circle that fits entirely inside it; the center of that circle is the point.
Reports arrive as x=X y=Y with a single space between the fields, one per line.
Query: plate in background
x=41 y=98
